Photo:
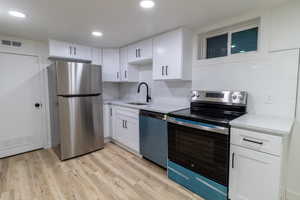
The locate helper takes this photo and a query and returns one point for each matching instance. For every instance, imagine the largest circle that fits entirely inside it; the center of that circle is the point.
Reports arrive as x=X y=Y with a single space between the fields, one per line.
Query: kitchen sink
x=138 y=104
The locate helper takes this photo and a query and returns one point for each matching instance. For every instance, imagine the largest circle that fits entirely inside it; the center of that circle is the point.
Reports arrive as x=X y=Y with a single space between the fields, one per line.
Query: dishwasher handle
x=151 y=114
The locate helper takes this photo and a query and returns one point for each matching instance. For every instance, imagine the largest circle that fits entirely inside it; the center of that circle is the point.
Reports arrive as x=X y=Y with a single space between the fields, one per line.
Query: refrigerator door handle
x=80 y=95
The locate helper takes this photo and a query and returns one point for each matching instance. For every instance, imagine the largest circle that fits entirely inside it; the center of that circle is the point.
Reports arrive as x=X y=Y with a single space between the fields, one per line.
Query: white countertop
x=161 y=108
x=267 y=124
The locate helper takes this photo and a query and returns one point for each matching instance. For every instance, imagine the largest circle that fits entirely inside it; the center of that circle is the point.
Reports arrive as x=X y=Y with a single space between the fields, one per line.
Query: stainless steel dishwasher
x=153 y=137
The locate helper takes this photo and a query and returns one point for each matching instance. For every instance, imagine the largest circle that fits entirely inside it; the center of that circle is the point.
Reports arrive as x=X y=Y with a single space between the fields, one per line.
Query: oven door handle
x=199 y=125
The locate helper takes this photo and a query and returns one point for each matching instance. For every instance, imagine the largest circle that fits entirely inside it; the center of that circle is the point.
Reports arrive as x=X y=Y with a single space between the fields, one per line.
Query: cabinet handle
x=123 y=123
x=167 y=70
x=70 y=50
x=126 y=124
x=139 y=52
x=136 y=53
x=110 y=112
x=117 y=75
x=255 y=142
x=162 y=70
x=75 y=51
x=125 y=73
x=232 y=161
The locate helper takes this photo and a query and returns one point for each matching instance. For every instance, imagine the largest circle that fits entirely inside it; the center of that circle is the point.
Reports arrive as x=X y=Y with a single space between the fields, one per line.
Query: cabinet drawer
x=257 y=141
x=132 y=113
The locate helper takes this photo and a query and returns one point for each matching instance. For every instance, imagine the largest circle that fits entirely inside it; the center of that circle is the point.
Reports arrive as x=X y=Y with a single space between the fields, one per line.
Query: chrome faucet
x=148 y=98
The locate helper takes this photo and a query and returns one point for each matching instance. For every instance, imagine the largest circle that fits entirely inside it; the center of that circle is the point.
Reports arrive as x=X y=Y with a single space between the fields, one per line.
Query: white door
x=253 y=175
x=20 y=90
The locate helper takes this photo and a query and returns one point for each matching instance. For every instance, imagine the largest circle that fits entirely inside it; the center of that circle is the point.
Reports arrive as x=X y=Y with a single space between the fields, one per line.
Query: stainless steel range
x=198 y=142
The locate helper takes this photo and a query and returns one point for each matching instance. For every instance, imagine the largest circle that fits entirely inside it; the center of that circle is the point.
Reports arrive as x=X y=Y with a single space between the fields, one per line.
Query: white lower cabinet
x=126 y=127
x=107 y=121
x=253 y=175
x=255 y=166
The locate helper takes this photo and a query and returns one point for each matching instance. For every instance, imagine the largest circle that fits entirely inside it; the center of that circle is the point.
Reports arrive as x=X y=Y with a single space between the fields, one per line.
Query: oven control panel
x=224 y=97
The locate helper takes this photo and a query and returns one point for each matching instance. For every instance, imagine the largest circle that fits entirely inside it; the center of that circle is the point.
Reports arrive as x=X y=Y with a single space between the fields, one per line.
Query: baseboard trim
x=291 y=195
x=19 y=150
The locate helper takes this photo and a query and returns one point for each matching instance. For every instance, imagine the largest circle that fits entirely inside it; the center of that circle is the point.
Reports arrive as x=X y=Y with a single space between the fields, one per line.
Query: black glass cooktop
x=212 y=116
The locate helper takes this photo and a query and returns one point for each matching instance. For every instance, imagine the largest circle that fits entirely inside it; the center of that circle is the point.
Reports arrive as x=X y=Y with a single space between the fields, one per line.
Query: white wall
x=163 y=92
x=269 y=77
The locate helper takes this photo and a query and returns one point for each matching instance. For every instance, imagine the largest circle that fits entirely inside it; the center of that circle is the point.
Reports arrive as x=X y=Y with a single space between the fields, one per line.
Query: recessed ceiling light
x=97 y=33
x=147 y=4
x=16 y=14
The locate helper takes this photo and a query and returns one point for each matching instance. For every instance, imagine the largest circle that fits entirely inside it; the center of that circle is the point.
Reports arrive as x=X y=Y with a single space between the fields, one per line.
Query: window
x=244 y=41
x=234 y=39
x=216 y=46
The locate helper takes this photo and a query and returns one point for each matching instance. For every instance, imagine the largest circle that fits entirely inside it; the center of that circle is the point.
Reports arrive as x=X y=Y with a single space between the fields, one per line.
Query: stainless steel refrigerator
x=76 y=107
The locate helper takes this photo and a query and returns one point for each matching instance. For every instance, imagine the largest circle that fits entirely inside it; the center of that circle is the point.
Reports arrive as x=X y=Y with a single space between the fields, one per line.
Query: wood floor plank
x=109 y=174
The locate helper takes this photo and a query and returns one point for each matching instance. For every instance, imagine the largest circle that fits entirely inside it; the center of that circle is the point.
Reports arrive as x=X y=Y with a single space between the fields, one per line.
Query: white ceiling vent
x=11 y=43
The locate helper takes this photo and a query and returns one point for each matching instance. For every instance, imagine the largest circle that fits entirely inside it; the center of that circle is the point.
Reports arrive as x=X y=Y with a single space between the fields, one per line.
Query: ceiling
x=121 y=21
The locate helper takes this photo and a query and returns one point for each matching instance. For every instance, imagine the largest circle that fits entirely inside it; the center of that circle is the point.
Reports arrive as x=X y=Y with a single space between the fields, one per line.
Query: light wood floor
x=109 y=174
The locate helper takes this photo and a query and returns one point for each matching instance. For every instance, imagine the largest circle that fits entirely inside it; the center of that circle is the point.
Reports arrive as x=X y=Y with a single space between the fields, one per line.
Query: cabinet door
x=253 y=175
x=96 y=56
x=82 y=52
x=145 y=49
x=107 y=120
x=167 y=55
x=132 y=53
x=124 y=63
x=141 y=52
x=59 y=49
x=132 y=139
x=129 y=72
x=111 y=66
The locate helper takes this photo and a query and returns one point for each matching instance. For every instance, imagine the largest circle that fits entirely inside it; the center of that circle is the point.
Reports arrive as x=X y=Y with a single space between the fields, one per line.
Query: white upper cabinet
x=141 y=52
x=111 y=65
x=58 y=49
x=82 y=52
x=129 y=73
x=172 y=55
x=96 y=56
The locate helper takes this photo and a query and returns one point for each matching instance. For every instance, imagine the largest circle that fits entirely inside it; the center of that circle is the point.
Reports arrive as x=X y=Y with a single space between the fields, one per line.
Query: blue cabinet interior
x=153 y=140
x=198 y=184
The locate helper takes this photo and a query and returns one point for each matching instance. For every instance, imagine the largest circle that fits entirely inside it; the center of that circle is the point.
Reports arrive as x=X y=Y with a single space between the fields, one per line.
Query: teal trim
x=195 y=123
x=197 y=183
